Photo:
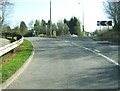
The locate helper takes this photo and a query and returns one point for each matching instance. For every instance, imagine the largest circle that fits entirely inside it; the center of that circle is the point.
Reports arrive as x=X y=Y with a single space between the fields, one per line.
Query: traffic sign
x=109 y=23
x=104 y=23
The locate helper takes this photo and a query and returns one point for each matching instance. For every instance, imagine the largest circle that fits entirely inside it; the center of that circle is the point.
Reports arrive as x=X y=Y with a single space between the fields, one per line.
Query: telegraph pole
x=50 y=21
x=82 y=16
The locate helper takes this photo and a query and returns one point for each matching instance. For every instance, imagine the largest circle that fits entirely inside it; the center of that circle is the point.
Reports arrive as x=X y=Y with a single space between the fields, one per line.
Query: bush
x=112 y=36
x=29 y=34
x=41 y=35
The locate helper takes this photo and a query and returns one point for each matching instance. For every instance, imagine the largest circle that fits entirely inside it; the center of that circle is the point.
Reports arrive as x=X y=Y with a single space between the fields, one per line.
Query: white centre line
x=97 y=52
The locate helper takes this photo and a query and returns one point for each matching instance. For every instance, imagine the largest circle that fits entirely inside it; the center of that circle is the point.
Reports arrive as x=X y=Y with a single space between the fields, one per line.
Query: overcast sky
x=27 y=10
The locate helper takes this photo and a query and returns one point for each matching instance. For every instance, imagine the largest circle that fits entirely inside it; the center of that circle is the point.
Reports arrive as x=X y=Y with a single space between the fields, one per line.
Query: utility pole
x=82 y=16
x=83 y=19
x=50 y=21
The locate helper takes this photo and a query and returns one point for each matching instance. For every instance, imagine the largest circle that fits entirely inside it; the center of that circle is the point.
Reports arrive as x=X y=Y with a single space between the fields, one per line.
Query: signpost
x=104 y=23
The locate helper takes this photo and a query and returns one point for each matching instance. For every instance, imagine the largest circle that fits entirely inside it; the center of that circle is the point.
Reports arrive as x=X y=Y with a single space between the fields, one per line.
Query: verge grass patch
x=112 y=36
x=10 y=67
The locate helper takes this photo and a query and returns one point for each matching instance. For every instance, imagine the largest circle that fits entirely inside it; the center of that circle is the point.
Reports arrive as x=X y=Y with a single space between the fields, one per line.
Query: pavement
x=66 y=63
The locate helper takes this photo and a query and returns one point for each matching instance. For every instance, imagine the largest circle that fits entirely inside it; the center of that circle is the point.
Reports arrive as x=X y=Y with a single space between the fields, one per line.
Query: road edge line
x=97 y=54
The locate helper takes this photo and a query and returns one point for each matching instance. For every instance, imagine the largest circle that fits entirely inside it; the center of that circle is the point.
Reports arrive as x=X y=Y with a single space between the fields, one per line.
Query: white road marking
x=97 y=52
x=113 y=46
x=67 y=41
x=108 y=59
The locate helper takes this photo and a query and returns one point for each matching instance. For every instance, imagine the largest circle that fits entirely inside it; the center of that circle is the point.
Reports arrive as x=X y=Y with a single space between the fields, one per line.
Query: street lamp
x=50 y=21
x=82 y=16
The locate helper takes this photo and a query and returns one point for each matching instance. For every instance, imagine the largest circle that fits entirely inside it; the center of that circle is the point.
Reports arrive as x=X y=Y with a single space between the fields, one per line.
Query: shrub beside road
x=21 y=53
x=112 y=36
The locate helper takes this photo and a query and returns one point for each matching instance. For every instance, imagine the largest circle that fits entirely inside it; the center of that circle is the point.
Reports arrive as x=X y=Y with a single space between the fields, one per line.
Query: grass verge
x=10 y=67
x=112 y=36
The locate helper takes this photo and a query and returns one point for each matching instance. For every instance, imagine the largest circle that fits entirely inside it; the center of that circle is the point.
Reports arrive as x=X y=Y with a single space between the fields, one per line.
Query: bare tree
x=113 y=11
x=5 y=7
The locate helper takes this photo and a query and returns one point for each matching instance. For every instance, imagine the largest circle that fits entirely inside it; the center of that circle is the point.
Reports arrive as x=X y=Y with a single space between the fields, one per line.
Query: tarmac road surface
x=61 y=64
x=3 y=42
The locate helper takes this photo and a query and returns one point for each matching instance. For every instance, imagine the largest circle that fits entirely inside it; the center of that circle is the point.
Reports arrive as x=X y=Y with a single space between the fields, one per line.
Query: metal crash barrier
x=5 y=49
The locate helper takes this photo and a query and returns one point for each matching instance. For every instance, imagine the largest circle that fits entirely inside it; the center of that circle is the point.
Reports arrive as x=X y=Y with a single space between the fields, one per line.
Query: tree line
x=62 y=27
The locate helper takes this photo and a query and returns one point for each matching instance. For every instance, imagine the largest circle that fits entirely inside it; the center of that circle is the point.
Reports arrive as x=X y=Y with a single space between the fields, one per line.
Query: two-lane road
x=109 y=49
x=59 y=64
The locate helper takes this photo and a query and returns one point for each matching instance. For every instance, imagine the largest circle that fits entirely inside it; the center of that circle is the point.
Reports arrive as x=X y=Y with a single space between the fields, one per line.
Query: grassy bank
x=112 y=36
x=11 y=66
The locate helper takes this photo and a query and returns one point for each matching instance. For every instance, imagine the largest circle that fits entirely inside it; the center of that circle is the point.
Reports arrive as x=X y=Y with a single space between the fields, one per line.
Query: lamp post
x=82 y=16
x=50 y=21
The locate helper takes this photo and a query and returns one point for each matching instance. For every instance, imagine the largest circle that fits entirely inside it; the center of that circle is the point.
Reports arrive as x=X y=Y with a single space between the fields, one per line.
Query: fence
x=5 y=49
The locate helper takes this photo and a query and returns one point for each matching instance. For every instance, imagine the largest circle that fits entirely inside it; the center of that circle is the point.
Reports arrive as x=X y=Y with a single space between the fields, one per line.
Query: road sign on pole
x=104 y=23
x=109 y=23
